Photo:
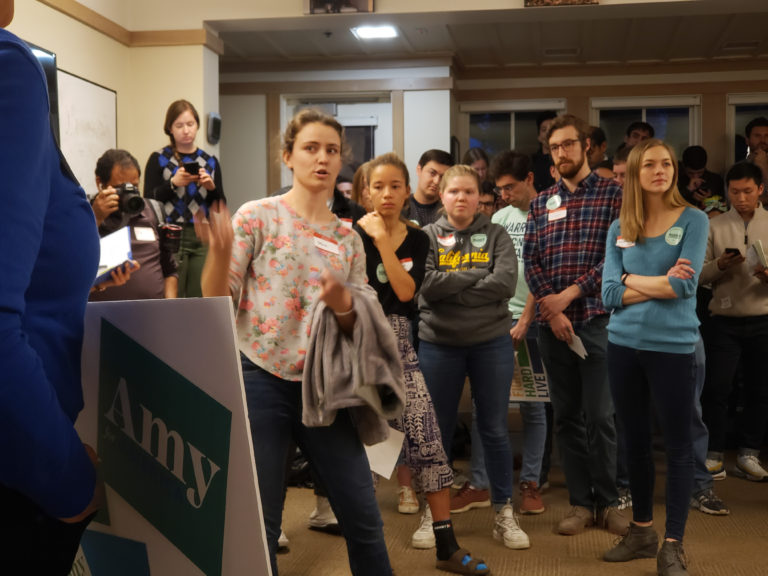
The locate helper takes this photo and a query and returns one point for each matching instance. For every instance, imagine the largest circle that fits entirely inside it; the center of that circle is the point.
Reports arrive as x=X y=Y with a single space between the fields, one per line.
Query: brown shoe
x=577 y=519
x=468 y=498
x=530 y=499
x=612 y=520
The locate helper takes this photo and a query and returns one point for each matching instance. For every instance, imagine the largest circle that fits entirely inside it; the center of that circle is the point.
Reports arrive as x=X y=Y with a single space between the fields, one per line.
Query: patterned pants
x=423 y=451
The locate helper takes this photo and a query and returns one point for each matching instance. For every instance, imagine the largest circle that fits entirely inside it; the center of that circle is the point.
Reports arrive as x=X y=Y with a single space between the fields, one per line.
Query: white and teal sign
x=164 y=447
x=165 y=410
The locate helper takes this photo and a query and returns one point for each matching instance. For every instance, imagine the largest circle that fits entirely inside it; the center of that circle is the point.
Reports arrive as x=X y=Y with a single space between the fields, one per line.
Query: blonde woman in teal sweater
x=654 y=255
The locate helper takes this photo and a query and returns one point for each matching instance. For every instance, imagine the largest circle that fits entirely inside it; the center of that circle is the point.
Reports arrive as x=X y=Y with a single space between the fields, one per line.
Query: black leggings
x=639 y=380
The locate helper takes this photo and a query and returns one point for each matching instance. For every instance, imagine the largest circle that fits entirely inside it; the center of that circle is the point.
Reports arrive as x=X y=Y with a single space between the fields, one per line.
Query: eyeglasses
x=487 y=204
x=508 y=188
x=566 y=146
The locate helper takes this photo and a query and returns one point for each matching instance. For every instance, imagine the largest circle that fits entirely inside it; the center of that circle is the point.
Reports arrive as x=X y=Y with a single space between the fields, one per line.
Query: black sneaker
x=708 y=502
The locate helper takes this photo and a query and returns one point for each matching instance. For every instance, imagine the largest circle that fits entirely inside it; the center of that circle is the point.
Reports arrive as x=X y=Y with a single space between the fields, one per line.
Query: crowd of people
x=643 y=282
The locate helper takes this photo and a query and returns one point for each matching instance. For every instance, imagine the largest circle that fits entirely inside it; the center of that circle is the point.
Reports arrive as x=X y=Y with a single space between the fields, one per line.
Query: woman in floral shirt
x=279 y=256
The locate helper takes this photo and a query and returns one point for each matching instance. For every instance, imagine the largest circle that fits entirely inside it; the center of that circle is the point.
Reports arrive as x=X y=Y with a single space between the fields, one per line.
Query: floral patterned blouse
x=277 y=259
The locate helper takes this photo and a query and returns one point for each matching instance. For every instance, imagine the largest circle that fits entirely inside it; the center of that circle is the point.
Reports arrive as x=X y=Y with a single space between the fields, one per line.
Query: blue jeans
x=702 y=479
x=534 y=417
x=584 y=414
x=490 y=366
x=334 y=452
x=640 y=381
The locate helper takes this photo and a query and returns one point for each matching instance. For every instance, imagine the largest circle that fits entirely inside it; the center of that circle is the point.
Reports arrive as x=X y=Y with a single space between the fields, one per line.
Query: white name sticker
x=144 y=234
x=621 y=243
x=346 y=222
x=556 y=214
x=326 y=244
x=449 y=240
x=407 y=264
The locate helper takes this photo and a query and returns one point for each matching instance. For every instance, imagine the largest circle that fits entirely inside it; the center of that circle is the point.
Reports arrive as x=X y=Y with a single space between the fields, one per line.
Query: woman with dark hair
x=477 y=159
x=49 y=254
x=396 y=253
x=277 y=258
x=654 y=255
x=184 y=178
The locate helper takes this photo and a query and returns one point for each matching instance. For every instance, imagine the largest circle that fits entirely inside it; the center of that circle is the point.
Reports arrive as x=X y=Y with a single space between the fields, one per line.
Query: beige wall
x=146 y=79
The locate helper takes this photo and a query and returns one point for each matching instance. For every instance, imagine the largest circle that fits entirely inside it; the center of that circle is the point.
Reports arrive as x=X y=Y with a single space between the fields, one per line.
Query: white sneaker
x=424 y=537
x=282 y=541
x=322 y=517
x=407 y=503
x=716 y=468
x=748 y=466
x=507 y=529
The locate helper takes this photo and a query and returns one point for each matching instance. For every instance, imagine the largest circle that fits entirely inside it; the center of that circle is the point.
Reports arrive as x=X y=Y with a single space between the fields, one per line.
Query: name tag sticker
x=144 y=234
x=621 y=243
x=326 y=244
x=556 y=214
x=449 y=240
x=407 y=264
x=346 y=222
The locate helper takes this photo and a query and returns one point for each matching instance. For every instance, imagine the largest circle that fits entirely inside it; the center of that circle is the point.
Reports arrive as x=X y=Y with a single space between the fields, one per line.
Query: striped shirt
x=565 y=243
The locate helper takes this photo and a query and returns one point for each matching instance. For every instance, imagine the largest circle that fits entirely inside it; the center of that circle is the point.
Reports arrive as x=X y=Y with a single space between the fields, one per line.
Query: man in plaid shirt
x=564 y=251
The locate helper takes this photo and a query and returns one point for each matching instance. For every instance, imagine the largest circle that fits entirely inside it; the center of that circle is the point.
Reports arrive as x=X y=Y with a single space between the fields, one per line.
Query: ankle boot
x=671 y=559
x=640 y=542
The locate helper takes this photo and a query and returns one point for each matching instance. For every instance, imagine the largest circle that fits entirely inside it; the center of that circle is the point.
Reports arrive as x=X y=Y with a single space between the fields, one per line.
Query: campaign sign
x=150 y=436
x=165 y=410
x=530 y=382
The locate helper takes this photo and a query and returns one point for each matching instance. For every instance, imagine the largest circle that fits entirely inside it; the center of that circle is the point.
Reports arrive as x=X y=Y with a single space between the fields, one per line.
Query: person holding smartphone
x=737 y=333
x=185 y=179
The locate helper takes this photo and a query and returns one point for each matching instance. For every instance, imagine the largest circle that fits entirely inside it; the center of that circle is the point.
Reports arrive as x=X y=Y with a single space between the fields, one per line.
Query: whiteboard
x=87 y=125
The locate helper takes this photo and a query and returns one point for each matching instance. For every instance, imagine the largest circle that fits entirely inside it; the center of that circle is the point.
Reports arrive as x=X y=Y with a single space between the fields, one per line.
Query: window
x=741 y=109
x=499 y=126
x=675 y=119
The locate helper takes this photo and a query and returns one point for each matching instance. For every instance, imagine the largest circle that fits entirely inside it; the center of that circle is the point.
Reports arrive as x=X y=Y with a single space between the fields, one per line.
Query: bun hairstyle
x=310 y=116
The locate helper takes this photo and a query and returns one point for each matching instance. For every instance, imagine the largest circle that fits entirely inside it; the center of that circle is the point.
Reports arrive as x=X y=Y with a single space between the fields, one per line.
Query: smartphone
x=192 y=168
x=732 y=251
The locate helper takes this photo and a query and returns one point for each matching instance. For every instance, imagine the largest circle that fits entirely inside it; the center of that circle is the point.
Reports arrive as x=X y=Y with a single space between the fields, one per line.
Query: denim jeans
x=334 y=452
x=702 y=479
x=534 y=417
x=584 y=414
x=728 y=342
x=641 y=380
x=490 y=367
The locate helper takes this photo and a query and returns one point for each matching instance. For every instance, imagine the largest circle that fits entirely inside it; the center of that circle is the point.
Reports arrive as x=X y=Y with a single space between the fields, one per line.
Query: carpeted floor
x=735 y=545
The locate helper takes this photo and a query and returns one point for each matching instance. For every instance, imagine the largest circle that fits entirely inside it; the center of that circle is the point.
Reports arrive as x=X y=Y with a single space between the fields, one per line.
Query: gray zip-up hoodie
x=470 y=276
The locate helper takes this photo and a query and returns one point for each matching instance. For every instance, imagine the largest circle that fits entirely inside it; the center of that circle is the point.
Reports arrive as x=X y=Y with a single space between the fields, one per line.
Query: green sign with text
x=164 y=447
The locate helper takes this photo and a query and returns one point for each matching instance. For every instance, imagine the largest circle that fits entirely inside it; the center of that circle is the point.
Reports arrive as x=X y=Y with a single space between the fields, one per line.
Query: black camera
x=130 y=201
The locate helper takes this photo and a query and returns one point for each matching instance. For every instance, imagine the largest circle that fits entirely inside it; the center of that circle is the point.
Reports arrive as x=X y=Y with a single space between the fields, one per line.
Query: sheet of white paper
x=578 y=347
x=115 y=251
x=382 y=457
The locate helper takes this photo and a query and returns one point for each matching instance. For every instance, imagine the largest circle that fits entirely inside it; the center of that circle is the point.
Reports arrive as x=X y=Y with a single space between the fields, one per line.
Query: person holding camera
x=184 y=178
x=153 y=242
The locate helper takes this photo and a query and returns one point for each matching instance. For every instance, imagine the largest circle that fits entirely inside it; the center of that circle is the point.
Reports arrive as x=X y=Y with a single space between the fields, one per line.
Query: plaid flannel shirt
x=559 y=252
